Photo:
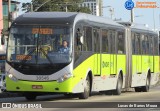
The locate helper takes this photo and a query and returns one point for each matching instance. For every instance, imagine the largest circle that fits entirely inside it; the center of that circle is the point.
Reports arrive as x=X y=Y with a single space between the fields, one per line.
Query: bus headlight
x=12 y=77
x=64 y=77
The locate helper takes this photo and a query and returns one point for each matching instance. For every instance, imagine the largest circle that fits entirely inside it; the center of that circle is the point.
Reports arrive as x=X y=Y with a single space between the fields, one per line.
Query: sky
x=146 y=16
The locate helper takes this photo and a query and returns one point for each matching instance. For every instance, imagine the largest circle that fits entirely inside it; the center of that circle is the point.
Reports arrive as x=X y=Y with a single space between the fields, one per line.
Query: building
x=14 y=5
x=94 y=5
x=4 y=17
x=1 y=16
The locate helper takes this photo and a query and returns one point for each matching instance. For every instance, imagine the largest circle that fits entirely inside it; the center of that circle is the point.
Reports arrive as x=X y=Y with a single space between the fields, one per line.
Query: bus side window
x=87 y=45
x=77 y=44
x=151 y=48
x=146 y=44
x=112 y=36
x=105 y=41
x=138 y=43
x=96 y=34
x=121 y=43
x=156 y=45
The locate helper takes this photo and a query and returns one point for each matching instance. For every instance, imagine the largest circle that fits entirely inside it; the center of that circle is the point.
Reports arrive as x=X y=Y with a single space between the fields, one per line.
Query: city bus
x=77 y=53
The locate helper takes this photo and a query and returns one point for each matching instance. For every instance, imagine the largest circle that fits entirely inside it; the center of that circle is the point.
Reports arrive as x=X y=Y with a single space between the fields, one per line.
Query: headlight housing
x=64 y=77
x=12 y=77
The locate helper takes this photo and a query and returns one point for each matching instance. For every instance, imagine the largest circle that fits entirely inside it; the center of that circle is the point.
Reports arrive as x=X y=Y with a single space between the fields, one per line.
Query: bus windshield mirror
x=81 y=39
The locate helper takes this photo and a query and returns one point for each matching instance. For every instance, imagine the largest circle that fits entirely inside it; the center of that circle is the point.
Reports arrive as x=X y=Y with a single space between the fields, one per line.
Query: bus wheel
x=146 y=88
x=30 y=97
x=119 y=86
x=137 y=89
x=86 y=92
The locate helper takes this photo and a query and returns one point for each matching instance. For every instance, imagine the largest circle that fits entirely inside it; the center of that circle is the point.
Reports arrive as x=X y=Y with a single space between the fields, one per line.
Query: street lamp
x=133 y=18
x=111 y=10
x=154 y=24
x=138 y=16
x=106 y=6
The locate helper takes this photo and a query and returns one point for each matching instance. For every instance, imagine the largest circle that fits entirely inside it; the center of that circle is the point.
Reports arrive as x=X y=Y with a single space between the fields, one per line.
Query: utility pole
x=132 y=16
x=31 y=6
x=66 y=8
x=9 y=13
x=154 y=24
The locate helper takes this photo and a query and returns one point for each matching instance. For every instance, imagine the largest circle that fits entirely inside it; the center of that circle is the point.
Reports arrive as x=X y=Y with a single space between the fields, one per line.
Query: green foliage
x=5 y=22
x=55 y=5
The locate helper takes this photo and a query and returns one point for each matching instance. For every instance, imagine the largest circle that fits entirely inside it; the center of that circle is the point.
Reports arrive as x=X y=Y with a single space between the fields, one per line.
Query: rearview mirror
x=81 y=39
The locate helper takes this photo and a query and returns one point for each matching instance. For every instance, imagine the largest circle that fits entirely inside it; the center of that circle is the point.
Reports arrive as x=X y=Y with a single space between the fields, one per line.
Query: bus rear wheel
x=137 y=89
x=30 y=97
x=147 y=86
x=119 y=86
x=87 y=87
x=144 y=88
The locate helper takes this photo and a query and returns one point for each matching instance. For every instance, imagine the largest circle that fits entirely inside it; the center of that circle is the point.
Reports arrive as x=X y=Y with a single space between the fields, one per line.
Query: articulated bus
x=76 y=53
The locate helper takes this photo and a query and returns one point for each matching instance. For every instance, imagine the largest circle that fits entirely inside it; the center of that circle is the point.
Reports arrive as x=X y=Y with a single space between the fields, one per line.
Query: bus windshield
x=39 y=44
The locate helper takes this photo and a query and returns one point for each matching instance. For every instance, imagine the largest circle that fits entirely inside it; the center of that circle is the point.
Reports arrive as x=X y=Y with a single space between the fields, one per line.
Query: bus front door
x=97 y=55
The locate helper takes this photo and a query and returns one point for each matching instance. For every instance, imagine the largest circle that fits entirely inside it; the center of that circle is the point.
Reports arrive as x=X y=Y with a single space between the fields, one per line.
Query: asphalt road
x=152 y=96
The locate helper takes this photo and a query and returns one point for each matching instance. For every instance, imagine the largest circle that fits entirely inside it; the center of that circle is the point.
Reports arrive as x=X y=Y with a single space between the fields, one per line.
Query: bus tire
x=137 y=89
x=30 y=97
x=147 y=86
x=119 y=86
x=87 y=88
x=110 y=92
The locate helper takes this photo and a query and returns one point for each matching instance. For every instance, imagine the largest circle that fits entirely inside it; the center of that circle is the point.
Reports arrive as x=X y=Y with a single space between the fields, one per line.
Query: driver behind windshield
x=64 y=48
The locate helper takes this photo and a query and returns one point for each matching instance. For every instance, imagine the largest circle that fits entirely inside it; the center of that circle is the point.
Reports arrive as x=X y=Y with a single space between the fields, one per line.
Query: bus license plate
x=37 y=87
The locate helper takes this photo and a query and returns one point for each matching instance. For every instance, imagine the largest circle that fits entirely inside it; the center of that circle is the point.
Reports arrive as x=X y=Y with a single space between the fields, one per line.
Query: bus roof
x=60 y=18
x=45 y=18
x=142 y=28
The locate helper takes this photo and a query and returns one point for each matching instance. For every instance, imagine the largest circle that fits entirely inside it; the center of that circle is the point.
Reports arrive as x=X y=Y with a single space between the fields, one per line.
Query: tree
x=55 y=5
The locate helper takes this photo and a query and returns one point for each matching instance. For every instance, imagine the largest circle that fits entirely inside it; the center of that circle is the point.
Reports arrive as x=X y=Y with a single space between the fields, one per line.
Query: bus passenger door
x=139 y=56
x=151 y=48
x=97 y=55
x=113 y=56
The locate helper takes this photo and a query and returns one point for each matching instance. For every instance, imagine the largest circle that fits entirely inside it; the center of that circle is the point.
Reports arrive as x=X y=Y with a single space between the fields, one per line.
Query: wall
x=1 y=16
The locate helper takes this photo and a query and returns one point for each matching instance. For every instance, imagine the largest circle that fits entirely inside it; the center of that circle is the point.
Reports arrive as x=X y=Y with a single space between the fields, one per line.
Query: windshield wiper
x=42 y=50
x=30 y=53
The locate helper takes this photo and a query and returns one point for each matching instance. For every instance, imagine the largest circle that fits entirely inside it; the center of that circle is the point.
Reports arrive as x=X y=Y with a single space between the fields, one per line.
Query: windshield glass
x=39 y=44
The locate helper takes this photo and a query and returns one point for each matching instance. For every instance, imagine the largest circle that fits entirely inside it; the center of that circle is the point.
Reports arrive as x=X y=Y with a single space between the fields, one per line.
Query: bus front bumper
x=67 y=86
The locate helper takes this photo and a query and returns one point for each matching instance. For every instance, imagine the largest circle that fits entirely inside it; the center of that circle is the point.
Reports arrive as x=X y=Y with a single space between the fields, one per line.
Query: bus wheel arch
x=148 y=80
x=88 y=80
x=119 y=84
x=121 y=74
x=147 y=85
x=91 y=79
x=149 y=76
